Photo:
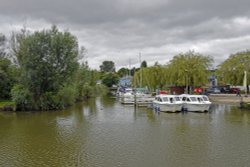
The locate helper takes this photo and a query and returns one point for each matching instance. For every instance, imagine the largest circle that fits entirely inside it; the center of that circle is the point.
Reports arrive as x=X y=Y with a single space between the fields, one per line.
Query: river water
x=103 y=133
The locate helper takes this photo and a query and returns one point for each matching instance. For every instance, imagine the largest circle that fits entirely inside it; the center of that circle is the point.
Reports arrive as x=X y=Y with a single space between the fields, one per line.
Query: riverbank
x=7 y=106
x=229 y=98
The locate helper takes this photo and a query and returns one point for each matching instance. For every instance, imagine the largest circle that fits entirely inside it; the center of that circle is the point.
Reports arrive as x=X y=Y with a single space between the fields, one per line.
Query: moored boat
x=167 y=103
x=194 y=103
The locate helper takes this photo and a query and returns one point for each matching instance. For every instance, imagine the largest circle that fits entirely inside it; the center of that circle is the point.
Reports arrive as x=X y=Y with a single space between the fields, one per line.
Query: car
x=234 y=90
x=213 y=90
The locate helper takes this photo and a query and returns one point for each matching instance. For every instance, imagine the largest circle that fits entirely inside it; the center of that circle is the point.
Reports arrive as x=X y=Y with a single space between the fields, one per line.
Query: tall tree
x=231 y=71
x=2 y=45
x=152 y=77
x=107 y=66
x=123 y=72
x=48 y=60
x=110 y=79
x=144 y=64
x=189 y=69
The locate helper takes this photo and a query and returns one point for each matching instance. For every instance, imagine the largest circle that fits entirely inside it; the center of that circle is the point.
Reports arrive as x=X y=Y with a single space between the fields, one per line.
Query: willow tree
x=231 y=71
x=189 y=69
x=151 y=77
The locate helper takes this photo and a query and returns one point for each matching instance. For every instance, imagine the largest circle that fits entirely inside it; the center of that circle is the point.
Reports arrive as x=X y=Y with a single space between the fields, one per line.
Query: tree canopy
x=231 y=71
x=48 y=60
x=107 y=66
x=189 y=68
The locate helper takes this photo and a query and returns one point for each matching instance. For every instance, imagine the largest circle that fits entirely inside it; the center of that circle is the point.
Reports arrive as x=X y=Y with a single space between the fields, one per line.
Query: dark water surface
x=103 y=133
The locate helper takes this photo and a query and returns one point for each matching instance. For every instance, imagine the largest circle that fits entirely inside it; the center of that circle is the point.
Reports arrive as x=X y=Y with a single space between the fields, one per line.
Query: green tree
x=144 y=64
x=48 y=62
x=123 y=72
x=8 y=77
x=189 y=69
x=231 y=71
x=107 y=66
x=152 y=77
x=8 y=71
x=110 y=79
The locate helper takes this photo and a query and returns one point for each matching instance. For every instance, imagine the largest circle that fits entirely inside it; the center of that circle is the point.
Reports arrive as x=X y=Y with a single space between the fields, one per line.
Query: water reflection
x=102 y=132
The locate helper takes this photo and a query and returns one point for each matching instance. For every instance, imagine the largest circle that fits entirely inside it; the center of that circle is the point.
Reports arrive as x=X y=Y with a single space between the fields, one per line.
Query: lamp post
x=245 y=76
x=186 y=78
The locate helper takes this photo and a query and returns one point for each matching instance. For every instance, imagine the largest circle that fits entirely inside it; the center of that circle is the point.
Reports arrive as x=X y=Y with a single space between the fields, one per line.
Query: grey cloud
x=120 y=29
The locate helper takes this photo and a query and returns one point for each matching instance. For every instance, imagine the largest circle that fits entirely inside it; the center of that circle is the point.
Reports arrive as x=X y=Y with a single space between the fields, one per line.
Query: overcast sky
x=118 y=30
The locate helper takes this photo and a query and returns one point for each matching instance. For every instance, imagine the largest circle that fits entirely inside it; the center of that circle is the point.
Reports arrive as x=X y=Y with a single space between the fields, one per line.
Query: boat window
x=188 y=99
x=184 y=99
x=177 y=99
x=193 y=99
x=171 y=100
x=205 y=98
x=165 y=99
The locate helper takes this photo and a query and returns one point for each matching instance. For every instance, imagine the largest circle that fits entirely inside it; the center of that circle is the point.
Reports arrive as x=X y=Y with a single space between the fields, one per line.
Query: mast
x=140 y=70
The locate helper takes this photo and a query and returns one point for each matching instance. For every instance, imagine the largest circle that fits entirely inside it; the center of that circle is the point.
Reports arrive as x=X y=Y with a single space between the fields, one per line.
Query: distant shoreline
x=229 y=98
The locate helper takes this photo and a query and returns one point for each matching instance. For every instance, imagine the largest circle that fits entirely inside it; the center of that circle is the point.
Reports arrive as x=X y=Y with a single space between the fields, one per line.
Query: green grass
x=6 y=103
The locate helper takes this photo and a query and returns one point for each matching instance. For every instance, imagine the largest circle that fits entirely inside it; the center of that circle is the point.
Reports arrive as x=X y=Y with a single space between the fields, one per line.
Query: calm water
x=103 y=133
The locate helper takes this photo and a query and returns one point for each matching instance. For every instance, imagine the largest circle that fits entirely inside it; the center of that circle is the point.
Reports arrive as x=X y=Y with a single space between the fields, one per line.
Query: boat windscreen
x=193 y=99
x=205 y=98
x=177 y=99
x=165 y=99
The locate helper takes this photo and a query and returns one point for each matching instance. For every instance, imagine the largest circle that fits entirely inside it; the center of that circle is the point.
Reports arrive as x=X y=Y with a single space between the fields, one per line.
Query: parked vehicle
x=234 y=90
x=213 y=90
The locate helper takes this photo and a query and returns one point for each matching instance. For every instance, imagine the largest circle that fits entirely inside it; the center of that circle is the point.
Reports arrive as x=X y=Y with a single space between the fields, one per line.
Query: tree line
x=41 y=71
x=192 y=69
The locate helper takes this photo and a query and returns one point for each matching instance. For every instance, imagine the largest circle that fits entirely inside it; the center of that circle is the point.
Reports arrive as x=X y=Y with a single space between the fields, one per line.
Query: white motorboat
x=198 y=103
x=167 y=103
x=132 y=96
x=138 y=98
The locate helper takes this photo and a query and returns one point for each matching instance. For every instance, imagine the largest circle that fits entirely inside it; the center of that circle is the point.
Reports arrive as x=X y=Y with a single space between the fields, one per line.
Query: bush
x=21 y=97
x=67 y=95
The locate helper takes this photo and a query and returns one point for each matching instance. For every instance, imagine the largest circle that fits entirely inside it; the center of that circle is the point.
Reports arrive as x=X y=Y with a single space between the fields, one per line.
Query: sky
x=120 y=30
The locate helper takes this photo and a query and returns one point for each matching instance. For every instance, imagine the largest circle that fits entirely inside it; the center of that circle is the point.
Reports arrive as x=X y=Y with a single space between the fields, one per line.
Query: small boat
x=193 y=103
x=167 y=103
x=121 y=91
x=132 y=96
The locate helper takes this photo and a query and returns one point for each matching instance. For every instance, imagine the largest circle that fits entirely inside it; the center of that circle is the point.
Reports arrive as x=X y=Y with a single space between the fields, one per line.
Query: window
x=205 y=98
x=177 y=99
x=193 y=99
x=165 y=99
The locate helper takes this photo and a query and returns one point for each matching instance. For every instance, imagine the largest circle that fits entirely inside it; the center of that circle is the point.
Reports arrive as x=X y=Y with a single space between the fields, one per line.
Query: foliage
x=123 y=72
x=48 y=62
x=22 y=97
x=231 y=71
x=189 y=68
x=2 y=45
x=110 y=79
x=107 y=66
x=152 y=77
x=8 y=77
x=144 y=64
x=6 y=103
x=101 y=90
x=67 y=95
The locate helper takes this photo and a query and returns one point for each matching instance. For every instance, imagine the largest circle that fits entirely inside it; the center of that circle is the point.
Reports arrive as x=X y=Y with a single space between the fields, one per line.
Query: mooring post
x=135 y=101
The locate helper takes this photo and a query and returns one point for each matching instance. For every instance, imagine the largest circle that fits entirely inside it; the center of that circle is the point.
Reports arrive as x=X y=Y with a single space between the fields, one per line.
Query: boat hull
x=167 y=107
x=196 y=107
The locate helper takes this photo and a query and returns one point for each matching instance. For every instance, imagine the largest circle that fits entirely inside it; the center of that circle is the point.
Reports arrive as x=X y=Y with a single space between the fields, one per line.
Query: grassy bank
x=7 y=105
